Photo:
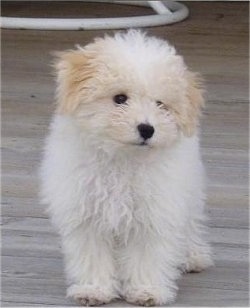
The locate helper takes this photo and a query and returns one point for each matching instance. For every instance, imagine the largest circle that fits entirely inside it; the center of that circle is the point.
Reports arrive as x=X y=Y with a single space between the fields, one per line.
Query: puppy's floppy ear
x=73 y=68
x=195 y=102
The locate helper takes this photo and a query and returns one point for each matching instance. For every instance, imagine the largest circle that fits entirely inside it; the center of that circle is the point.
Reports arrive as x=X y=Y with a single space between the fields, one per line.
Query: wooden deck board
x=214 y=41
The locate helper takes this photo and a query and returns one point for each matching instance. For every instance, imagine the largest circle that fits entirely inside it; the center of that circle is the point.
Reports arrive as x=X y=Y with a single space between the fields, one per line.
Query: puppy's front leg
x=89 y=267
x=148 y=272
x=199 y=251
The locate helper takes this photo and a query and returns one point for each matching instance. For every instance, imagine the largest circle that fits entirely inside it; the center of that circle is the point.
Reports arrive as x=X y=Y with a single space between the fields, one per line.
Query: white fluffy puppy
x=122 y=172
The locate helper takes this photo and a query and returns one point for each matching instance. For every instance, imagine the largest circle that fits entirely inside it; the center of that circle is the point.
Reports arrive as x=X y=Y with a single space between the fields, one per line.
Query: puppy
x=122 y=172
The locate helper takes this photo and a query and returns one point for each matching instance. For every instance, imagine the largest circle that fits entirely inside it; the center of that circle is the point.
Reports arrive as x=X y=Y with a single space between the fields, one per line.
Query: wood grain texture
x=214 y=41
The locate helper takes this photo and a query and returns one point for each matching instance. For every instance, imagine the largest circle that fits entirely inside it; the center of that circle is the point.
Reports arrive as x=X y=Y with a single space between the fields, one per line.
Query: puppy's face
x=131 y=90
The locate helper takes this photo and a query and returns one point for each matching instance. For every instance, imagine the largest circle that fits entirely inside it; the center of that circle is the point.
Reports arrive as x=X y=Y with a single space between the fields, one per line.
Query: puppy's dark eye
x=120 y=99
x=162 y=105
x=159 y=103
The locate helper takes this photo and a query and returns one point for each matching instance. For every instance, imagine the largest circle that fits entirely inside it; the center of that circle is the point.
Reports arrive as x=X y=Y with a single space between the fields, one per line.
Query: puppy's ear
x=195 y=101
x=73 y=68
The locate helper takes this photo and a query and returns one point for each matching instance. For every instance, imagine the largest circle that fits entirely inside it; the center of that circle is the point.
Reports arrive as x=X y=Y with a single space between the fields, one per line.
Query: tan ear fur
x=194 y=104
x=74 y=68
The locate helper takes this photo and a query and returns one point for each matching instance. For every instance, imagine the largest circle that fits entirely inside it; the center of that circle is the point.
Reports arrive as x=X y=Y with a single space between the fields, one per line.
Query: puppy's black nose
x=146 y=131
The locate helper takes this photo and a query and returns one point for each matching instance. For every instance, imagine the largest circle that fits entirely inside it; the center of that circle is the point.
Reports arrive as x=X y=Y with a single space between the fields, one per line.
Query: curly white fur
x=130 y=216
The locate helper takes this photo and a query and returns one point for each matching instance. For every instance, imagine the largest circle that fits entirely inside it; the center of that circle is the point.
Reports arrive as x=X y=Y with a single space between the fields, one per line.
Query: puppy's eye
x=159 y=103
x=120 y=99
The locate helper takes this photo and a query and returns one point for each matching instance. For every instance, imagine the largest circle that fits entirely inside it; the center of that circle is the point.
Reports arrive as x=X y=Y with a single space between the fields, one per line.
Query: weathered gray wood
x=43 y=268
x=33 y=244
x=214 y=41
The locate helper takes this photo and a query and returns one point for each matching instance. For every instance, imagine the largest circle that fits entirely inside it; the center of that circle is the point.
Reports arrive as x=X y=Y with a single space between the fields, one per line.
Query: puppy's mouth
x=138 y=143
x=143 y=143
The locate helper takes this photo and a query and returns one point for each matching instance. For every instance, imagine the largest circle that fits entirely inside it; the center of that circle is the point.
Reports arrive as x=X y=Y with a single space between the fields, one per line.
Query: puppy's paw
x=91 y=295
x=149 y=296
x=198 y=261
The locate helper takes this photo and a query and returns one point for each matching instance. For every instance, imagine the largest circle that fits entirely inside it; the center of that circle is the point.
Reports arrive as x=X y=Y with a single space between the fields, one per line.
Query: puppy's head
x=130 y=89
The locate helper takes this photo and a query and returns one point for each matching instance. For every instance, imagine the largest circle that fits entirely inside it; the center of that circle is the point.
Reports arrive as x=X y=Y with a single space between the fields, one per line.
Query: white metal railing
x=167 y=12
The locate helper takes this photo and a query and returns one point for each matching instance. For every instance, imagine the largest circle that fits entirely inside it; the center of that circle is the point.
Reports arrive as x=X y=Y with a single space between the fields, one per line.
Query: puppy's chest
x=116 y=195
x=109 y=186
